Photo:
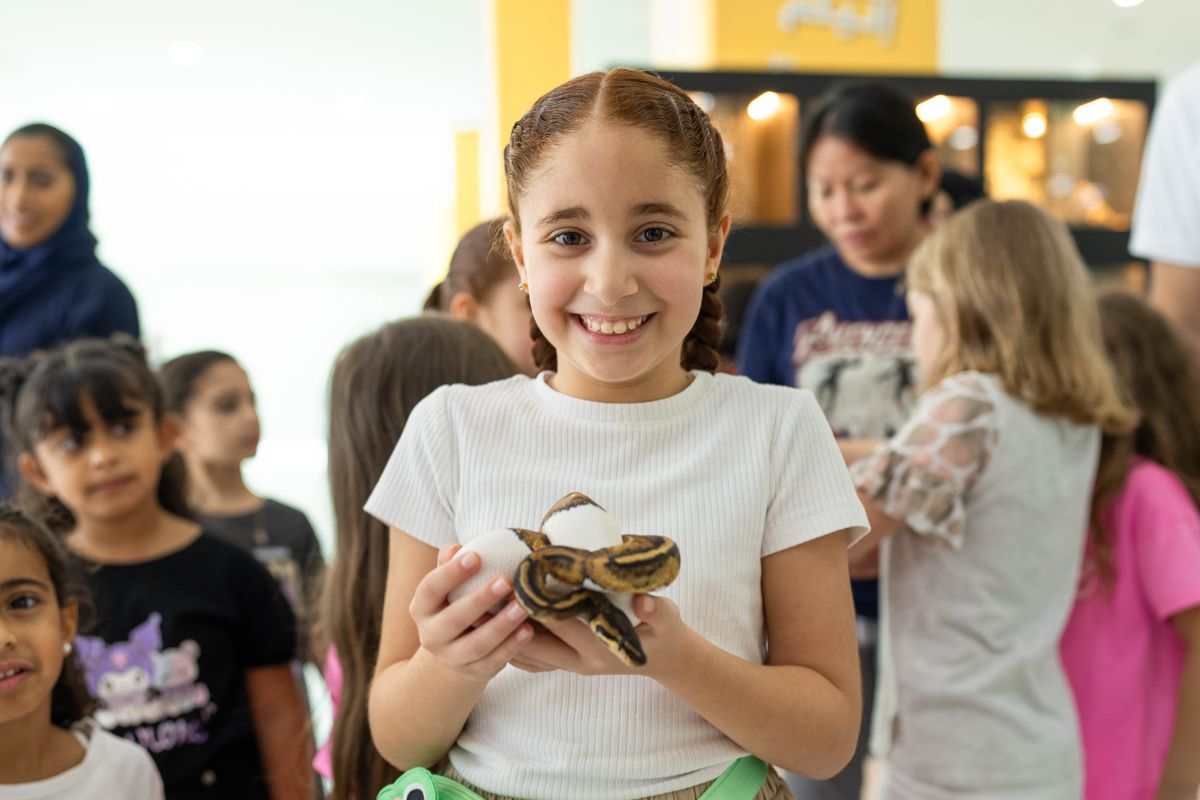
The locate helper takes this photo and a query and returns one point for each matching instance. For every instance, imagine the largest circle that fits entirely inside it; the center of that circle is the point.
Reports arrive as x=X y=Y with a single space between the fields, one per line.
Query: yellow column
x=533 y=55
x=466 y=181
x=896 y=36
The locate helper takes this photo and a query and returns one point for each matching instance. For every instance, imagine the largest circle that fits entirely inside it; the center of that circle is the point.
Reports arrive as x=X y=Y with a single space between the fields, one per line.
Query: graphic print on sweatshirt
x=863 y=373
x=153 y=693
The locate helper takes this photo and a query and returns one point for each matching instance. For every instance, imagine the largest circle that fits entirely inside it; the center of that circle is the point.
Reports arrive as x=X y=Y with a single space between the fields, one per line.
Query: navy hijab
x=71 y=248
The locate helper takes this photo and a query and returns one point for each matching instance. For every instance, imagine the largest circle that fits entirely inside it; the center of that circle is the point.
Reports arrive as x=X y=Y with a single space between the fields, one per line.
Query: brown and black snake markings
x=549 y=583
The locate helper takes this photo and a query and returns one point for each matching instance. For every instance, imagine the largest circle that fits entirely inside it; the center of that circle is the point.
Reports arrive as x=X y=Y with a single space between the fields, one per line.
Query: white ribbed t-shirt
x=733 y=471
x=111 y=767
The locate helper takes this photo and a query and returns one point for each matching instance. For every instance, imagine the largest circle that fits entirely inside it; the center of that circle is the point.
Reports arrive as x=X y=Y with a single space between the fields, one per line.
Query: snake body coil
x=550 y=582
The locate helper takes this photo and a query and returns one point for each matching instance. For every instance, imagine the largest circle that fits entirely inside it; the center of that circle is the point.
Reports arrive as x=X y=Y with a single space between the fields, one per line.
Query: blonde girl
x=983 y=499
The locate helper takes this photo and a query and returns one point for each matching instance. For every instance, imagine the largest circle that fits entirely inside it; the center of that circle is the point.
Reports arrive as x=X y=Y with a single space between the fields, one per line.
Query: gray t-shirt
x=978 y=585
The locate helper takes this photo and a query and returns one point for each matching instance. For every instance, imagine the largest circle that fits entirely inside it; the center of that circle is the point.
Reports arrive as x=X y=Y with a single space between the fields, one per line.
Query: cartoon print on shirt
x=862 y=373
x=151 y=690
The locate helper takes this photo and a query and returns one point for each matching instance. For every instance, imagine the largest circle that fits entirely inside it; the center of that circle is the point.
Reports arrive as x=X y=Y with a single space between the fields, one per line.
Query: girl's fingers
x=481 y=643
x=548 y=649
x=430 y=594
x=464 y=613
x=447 y=553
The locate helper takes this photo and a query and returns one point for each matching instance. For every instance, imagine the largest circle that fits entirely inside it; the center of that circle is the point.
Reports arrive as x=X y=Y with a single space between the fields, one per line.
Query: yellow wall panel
x=466 y=180
x=533 y=54
x=748 y=34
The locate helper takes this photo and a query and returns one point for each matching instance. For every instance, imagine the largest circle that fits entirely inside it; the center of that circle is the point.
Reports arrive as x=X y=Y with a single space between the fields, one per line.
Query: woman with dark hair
x=52 y=287
x=834 y=321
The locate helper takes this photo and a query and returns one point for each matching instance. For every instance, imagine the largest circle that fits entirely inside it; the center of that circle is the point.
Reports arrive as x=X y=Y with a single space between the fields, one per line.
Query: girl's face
x=928 y=333
x=33 y=630
x=106 y=472
x=220 y=422
x=504 y=315
x=36 y=191
x=616 y=251
x=870 y=208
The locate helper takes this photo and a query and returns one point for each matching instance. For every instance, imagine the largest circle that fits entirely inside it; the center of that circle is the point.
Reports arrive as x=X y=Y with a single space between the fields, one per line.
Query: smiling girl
x=618 y=214
x=51 y=749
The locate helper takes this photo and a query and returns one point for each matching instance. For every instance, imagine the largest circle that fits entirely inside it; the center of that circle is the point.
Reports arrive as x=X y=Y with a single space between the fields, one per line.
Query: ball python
x=579 y=564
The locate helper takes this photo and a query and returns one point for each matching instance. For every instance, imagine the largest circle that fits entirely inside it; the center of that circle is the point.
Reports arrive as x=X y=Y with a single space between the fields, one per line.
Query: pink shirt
x=1121 y=654
x=323 y=761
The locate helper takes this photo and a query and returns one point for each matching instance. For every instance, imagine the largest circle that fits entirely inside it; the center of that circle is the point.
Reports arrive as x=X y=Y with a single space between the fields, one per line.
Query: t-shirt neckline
x=553 y=400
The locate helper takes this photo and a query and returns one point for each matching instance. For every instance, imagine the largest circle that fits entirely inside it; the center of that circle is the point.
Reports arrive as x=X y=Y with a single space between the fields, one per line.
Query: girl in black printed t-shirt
x=190 y=657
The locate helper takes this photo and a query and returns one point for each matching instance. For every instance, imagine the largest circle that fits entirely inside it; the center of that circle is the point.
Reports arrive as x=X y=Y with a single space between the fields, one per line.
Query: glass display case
x=1072 y=147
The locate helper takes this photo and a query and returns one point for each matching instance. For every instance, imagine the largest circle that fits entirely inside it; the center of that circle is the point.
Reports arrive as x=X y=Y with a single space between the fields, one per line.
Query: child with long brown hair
x=1132 y=646
x=376 y=383
x=983 y=498
x=618 y=197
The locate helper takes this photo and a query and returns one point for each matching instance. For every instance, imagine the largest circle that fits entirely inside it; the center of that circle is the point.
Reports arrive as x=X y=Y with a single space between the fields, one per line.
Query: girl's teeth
x=610 y=328
x=9 y=674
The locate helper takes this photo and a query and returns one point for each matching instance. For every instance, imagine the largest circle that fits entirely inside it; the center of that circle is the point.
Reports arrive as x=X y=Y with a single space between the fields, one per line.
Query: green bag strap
x=740 y=781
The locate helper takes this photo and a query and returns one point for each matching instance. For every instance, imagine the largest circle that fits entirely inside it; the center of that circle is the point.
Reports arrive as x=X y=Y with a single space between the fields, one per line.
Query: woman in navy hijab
x=52 y=286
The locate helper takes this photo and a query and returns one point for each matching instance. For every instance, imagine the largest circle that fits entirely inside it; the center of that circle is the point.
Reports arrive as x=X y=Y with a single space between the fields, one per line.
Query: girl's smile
x=13 y=674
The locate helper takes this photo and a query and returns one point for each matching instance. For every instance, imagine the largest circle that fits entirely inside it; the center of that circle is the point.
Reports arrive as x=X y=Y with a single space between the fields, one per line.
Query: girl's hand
x=462 y=635
x=570 y=645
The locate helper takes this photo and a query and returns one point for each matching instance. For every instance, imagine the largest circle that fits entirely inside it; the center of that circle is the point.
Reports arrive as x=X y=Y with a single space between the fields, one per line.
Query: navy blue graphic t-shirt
x=816 y=324
x=168 y=658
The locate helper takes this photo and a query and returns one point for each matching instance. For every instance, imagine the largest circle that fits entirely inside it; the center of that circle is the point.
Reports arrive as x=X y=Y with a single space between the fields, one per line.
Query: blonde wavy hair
x=1016 y=301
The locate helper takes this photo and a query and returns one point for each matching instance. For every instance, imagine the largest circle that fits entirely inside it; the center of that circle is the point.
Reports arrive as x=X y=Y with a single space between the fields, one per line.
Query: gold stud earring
x=712 y=276
x=523 y=287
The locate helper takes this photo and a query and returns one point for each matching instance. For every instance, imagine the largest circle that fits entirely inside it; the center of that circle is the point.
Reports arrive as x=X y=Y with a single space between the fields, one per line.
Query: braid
x=700 y=347
x=545 y=357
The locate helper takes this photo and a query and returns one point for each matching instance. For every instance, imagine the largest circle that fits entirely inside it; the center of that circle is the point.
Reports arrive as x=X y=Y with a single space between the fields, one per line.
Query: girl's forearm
x=1181 y=774
x=417 y=708
x=790 y=716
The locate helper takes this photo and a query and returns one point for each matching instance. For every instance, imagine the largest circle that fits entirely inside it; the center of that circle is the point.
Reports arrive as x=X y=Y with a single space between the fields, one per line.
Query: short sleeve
x=1168 y=198
x=760 y=338
x=416 y=491
x=921 y=475
x=1166 y=540
x=266 y=631
x=812 y=495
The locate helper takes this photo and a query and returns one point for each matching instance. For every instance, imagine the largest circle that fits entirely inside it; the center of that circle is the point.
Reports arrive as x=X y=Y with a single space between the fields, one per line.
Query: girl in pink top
x=1131 y=648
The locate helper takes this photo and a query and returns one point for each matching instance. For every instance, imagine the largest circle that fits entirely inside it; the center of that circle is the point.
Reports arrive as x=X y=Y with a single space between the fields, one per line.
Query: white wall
x=1068 y=38
x=288 y=192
